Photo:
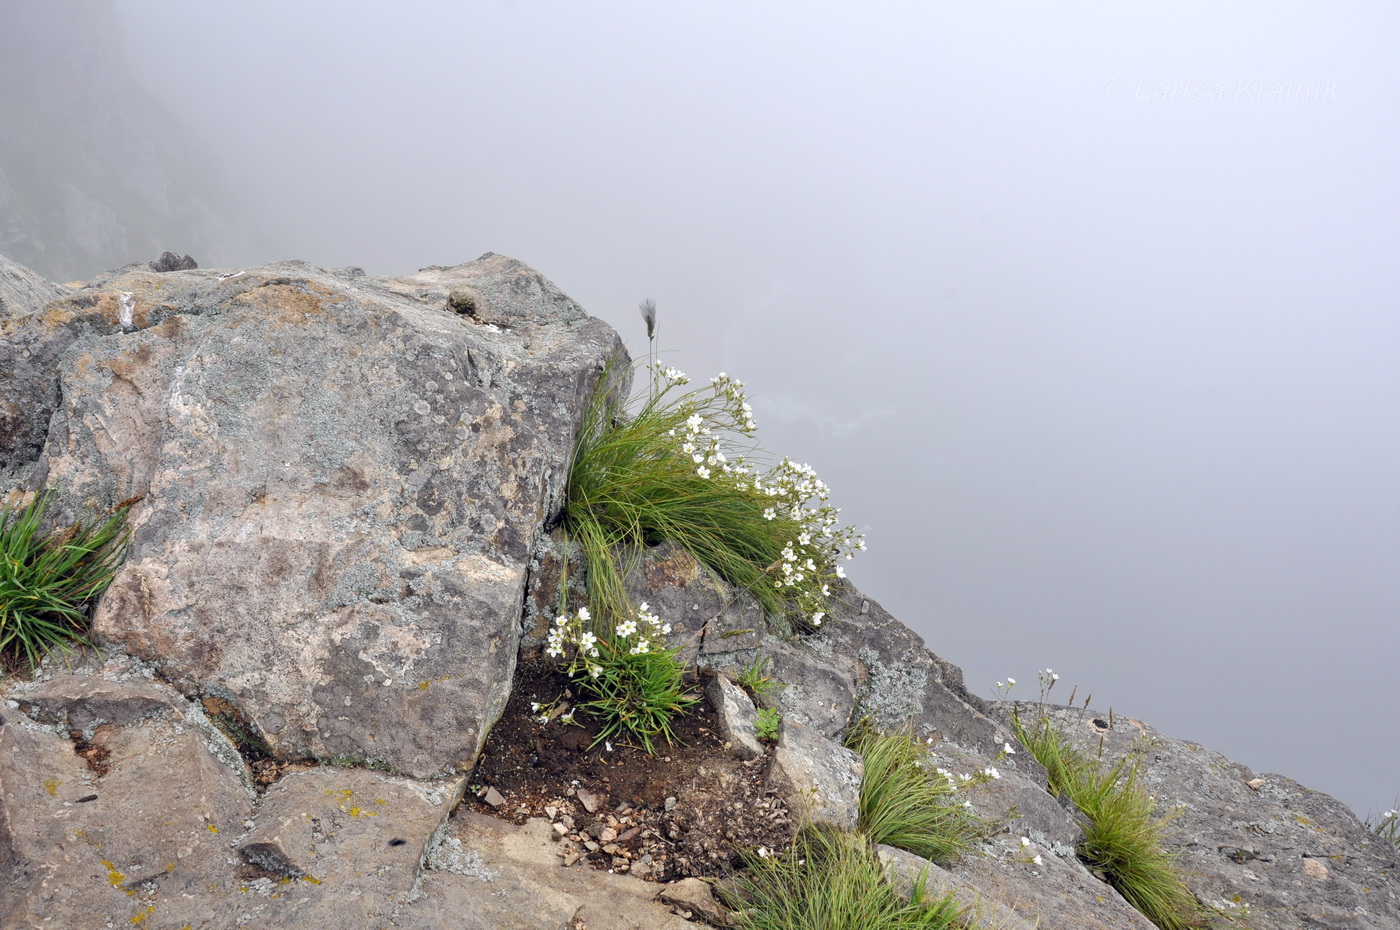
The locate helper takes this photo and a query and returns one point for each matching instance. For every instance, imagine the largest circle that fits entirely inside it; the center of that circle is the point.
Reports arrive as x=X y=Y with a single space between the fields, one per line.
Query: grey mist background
x=1087 y=312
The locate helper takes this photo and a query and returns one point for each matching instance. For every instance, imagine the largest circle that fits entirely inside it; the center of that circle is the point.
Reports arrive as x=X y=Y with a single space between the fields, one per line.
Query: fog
x=1088 y=314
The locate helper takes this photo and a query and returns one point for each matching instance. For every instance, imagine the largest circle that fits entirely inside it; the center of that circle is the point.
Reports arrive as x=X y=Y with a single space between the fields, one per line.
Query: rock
x=819 y=778
x=515 y=882
x=1058 y=891
x=23 y=291
x=695 y=897
x=138 y=823
x=340 y=549
x=1262 y=846
x=738 y=720
x=350 y=839
x=907 y=872
x=169 y=261
x=903 y=682
x=706 y=618
x=342 y=483
x=31 y=343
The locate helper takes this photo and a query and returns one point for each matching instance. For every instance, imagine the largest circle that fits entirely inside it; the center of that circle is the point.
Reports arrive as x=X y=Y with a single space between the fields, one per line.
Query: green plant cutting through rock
x=681 y=465
x=48 y=579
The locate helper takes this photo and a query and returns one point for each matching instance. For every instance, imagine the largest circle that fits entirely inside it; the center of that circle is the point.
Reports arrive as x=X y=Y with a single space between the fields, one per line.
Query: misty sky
x=1088 y=314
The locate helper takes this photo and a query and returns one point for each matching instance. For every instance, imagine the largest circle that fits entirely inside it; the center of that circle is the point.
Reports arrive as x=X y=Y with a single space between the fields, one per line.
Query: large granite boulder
x=341 y=481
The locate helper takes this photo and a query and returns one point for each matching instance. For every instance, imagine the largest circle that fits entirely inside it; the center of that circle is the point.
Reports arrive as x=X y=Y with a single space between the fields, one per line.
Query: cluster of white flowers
x=713 y=418
x=635 y=636
x=1026 y=845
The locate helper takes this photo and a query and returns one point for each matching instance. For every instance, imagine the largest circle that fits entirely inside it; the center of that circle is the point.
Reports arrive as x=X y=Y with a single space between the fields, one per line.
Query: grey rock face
x=819 y=778
x=23 y=291
x=30 y=345
x=908 y=874
x=169 y=261
x=511 y=878
x=738 y=720
x=342 y=482
x=1263 y=846
x=139 y=821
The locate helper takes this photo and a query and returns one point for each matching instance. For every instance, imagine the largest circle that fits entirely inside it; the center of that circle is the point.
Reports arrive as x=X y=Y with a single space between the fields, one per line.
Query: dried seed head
x=648 y=308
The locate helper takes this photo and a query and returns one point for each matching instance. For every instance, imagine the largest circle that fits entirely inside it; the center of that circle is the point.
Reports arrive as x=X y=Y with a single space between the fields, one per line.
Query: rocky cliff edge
x=340 y=554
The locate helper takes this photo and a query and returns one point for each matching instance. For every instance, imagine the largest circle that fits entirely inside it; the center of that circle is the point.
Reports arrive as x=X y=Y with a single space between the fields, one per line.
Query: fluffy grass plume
x=49 y=579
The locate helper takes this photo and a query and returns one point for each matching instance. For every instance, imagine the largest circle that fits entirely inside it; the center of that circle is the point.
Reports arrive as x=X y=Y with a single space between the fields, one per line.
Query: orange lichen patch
x=677 y=570
x=287 y=303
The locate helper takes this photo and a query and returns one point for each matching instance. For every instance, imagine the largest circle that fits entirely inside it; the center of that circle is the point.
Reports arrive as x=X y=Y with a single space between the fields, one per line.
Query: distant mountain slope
x=95 y=172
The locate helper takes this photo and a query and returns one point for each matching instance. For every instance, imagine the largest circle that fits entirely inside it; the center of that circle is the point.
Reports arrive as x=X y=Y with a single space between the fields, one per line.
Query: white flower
x=626 y=628
x=703 y=472
x=1006 y=748
x=1025 y=841
x=991 y=772
x=1010 y=681
x=583 y=614
x=1037 y=860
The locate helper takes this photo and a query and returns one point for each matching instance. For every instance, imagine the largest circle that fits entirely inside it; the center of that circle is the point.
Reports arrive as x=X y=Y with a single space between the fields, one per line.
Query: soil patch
x=687 y=811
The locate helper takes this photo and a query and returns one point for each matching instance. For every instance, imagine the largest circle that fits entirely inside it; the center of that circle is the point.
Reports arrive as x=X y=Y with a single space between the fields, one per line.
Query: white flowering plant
x=681 y=464
x=636 y=684
x=1387 y=826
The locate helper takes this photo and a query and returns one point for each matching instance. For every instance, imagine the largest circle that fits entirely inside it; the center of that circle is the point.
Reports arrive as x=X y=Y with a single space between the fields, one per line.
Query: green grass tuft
x=48 y=580
x=676 y=469
x=905 y=802
x=631 y=486
x=1123 y=840
x=831 y=880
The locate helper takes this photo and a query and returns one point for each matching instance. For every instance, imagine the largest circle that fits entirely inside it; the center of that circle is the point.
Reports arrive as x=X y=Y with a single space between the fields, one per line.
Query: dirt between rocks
x=687 y=811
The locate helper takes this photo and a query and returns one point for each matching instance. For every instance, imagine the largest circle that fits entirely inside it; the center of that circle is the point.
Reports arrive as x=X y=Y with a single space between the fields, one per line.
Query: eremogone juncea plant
x=676 y=465
x=48 y=579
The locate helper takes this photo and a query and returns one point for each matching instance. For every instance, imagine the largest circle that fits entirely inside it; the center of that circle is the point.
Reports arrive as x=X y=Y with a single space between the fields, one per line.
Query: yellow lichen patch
x=51 y=786
x=211 y=828
x=423 y=685
x=358 y=811
x=310 y=881
x=344 y=794
x=141 y=916
x=113 y=875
